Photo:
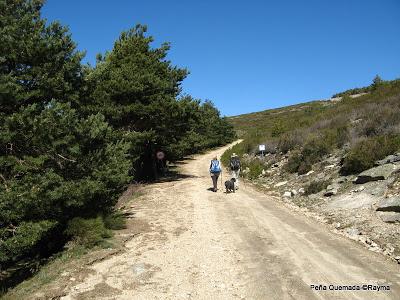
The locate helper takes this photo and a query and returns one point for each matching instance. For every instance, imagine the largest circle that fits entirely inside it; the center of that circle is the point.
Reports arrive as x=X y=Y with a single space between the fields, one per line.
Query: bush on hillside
x=294 y=161
x=115 y=220
x=363 y=154
x=301 y=161
x=316 y=186
x=289 y=141
x=255 y=169
x=87 y=232
x=314 y=149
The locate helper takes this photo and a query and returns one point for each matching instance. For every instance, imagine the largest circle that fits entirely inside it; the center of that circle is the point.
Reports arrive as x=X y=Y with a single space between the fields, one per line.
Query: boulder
x=329 y=193
x=377 y=173
x=389 y=159
x=331 y=190
x=294 y=192
x=302 y=190
x=389 y=204
x=389 y=216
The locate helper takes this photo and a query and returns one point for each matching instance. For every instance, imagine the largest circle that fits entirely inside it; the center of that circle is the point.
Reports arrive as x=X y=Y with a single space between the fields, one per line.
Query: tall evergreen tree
x=138 y=89
x=54 y=164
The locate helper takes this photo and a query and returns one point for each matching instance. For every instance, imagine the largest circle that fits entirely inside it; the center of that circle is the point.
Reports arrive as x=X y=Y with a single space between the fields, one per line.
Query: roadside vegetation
x=72 y=136
x=364 y=129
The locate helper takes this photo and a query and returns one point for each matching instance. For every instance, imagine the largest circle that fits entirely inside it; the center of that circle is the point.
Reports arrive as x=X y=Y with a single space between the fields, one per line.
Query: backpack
x=235 y=163
x=215 y=167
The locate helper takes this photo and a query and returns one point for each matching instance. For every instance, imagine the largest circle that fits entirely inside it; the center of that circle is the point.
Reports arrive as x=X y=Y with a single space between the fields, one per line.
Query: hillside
x=367 y=125
x=338 y=159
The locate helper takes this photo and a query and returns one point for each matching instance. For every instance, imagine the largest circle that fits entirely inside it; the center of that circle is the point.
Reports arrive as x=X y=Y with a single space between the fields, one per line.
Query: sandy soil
x=196 y=244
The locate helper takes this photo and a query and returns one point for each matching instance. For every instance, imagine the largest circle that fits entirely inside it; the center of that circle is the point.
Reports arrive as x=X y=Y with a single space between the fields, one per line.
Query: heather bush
x=316 y=186
x=363 y=154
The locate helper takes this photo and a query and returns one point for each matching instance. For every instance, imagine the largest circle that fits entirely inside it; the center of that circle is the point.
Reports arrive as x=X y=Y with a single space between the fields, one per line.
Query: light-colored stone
x=389 y=159
x=353 y=233
x=357 y=190
x=379 y=190
x=389 y=204
x=389 y=216
x=378 y=173
x=280 y=183
x=330 y=167
x=302 y=190
x=287 y=194
x=309 y=173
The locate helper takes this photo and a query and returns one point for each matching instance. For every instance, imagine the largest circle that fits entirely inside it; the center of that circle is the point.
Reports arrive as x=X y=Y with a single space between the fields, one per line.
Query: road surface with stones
x=244 y=245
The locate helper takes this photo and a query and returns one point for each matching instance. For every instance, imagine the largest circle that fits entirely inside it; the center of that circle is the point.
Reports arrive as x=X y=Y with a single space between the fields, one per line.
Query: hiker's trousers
x=235 y=174
x=214 y=177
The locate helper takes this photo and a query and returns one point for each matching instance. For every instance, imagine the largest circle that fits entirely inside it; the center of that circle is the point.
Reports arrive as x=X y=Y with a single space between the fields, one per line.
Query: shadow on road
x=174 y=176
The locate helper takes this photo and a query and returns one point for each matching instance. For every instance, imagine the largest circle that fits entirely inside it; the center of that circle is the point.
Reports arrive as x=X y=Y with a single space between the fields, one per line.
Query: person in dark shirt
x=235 y=167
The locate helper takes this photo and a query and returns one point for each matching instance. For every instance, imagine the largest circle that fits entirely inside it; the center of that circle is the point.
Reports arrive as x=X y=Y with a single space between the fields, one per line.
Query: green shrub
x=115 y=221
x=304 y=167
x=316 y=186
x=314 y=149
x=289 y=141
x=255 y=168
x=294 y=161
x=88 y=232
x=363 y=155
x=23 y=239
x=297 y=162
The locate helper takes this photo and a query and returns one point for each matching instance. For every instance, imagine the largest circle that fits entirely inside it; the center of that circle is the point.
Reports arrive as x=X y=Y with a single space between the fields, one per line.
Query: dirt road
x=197 y=244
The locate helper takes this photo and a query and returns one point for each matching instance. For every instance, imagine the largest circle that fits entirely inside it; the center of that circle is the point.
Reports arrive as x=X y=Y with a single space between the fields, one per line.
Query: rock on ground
x=389 y=159
x=389 y=204
x=389 y=216
x=377 y=173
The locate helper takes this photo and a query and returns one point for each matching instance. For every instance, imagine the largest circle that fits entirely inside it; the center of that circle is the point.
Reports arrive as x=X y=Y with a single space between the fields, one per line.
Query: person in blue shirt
x=215 y=171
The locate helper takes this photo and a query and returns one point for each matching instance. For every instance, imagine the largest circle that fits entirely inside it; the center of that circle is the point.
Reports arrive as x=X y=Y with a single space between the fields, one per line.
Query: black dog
x=230 y=185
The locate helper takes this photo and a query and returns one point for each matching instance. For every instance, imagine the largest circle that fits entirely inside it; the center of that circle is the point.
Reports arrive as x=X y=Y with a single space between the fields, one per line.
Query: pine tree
x=55 y=164
x=138 y=90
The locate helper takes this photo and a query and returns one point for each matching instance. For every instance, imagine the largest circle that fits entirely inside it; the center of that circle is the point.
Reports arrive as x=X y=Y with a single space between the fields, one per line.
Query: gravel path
x=205 y=245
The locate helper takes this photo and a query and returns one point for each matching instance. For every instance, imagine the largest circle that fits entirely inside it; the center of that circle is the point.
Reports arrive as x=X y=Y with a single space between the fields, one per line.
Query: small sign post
x=261 y=148
x=160 y=155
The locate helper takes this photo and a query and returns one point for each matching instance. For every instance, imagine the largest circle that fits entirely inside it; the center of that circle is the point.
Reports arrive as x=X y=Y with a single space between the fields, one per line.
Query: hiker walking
x=235 y=166
x=215 y=171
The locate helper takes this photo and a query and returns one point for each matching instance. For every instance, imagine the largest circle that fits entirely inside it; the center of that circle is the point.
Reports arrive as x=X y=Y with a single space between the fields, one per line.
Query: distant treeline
x=367 y=89
x=72 y=136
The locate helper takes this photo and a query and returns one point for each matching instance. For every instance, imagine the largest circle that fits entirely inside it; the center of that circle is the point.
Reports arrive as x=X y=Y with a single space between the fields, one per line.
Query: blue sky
x=249 y=56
